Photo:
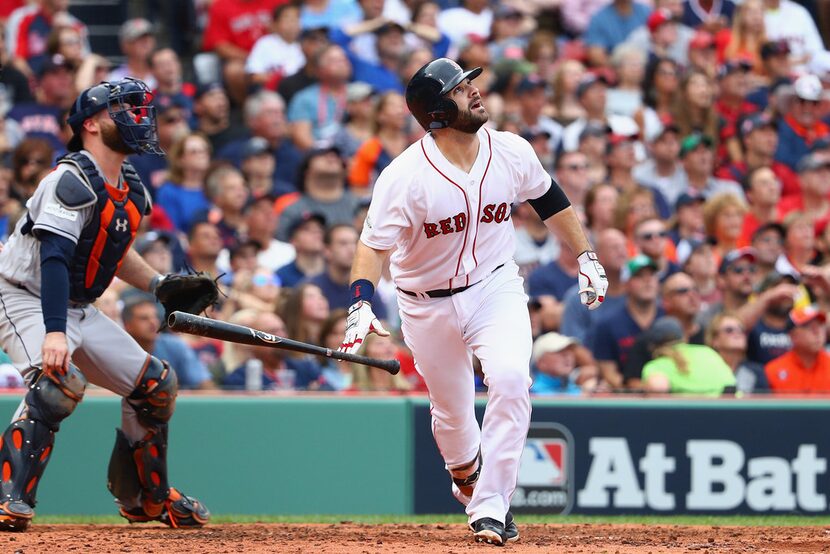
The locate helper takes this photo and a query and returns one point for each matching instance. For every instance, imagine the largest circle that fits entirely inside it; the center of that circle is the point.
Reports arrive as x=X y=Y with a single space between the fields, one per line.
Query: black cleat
x=489 y=530
x=511 y=531
x=15 y=515
x=178 y=511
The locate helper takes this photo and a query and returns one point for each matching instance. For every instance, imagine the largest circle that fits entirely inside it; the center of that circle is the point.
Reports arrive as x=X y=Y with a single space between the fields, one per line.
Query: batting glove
x=592 y=280
x=360 y=322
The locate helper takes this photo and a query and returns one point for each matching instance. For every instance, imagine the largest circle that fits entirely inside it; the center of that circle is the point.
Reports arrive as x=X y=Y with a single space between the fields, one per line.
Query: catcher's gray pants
x=103 y=351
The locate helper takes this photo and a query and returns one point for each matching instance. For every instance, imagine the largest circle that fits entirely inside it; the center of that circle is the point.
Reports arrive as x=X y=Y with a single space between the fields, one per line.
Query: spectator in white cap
x=137 y=39
x=800 y=125
x=554 y=362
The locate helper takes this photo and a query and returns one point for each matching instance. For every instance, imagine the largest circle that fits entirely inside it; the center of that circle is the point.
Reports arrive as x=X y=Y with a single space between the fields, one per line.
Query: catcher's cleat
x=178 y=511
x=511 y=531
x=15 y=515
x=489 y=530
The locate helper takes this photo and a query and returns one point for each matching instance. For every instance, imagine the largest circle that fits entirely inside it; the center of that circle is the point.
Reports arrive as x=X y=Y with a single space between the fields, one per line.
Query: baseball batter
x=443 y=209
x=75 y=236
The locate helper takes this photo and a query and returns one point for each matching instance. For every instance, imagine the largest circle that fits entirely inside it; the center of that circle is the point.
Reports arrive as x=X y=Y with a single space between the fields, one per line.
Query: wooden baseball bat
x=215 y=329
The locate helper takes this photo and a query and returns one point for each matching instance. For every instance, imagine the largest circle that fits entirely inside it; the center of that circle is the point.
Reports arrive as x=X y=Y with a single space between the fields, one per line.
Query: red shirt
x=751 y=225
x=238 y=22
x=793 y=203
x=790 y=185
x=786 y=374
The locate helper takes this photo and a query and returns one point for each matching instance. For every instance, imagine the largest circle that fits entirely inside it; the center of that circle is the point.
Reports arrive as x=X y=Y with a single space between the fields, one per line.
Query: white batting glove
x=360 y=322
x=592 y=280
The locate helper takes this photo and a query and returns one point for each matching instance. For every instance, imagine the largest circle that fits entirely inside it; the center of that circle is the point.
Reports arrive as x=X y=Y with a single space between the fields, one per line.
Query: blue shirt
x=287 y=156
x=578 y=321
x=551 y=280
x=791 y=147
x=321 y=109
x=290 y=275
x=340 y=296
x=40 y=121
x=764 y=343
x=614 y=335
x=692 y=19
x=307 y=372
x=181 y=205
x=547 y=384
x=377 y=75
x=338 y=13
x=148 y=166
x=190 y=371
x=608 y=27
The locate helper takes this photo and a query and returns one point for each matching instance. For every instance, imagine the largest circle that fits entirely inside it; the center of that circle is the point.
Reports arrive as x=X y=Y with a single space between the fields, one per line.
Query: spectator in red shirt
x=731 y=105
x=763 y=191
x=814 y=200
x=758 y=134
x=232 y=29
x=805 y=368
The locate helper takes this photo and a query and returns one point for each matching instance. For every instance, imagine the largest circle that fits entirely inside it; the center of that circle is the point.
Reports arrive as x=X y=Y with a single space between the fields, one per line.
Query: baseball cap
x=594 y=129
x=357 y=91
x=756 y=121
x=54 y=62
x=685 y=249
x=551 y=342
x=734 y=66
x=205 y=88
x=805 y=314
x=304 y=218
x=701 y=39
x=533 y=133
x=254 y=146
x=775 y=48
x=822 y=143
x=733 y=256
x=694 y=140
x=615 y=139
x=506 y=12
x=150 y=238
x=770 y=225
x=321 y=31
x=135 y=28
x=808 y=87
x=774 y=278
x=687 y=199
x=812 y=162
x=588 y=80
x=529 y=83
x=164 y=102
x=664 y=330
x=635 y=265
x=253 y=198
x=389 y=26
x=659 y=17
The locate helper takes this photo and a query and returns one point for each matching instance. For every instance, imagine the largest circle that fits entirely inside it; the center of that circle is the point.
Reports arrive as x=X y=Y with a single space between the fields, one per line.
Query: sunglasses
x=730 y=330
x=652 y=236
x=681 y=290
x=741 y=269
x=263 y=280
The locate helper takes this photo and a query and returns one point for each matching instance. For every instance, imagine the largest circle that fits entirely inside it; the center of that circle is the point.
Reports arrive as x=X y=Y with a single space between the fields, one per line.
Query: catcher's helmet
x=128 y=103
x=425 y=93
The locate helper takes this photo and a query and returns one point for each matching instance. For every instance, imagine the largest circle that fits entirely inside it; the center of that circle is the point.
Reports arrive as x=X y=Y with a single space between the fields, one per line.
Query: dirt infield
x=431 y=538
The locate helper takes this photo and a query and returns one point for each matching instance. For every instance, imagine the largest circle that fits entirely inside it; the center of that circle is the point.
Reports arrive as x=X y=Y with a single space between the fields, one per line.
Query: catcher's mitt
x=192 y=293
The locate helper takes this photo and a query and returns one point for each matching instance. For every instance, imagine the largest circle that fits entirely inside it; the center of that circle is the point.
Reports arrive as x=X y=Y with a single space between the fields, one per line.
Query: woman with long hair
x=566 y=106
x=600 y=201
x=694 y=110
x=744 y=39
x=183 y=194
x=304 y=310
x=661 y=91
x=723 y=217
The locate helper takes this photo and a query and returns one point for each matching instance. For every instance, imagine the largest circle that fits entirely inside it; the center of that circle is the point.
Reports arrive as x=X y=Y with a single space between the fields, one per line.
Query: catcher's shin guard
x=466 y=476
x=138 y=472
x=26 y=445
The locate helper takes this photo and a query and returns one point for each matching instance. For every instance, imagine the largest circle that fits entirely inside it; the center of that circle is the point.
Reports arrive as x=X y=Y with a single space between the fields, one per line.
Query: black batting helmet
x=426 y=92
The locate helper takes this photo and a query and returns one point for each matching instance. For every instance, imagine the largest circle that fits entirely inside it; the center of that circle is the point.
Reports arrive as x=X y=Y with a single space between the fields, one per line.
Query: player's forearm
x=565 y=225
x=368 y=263
x=135 y=271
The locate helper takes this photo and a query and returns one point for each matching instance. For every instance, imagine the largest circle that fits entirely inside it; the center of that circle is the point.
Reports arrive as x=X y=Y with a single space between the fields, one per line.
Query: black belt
x=443 y=293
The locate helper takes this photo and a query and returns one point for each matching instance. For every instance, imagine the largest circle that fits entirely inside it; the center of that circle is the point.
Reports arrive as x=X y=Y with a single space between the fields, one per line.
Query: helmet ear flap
x=444 y=113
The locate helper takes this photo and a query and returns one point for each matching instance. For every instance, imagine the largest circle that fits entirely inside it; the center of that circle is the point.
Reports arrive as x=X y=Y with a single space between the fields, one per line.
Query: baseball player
x=443 y=209
x=64 y=252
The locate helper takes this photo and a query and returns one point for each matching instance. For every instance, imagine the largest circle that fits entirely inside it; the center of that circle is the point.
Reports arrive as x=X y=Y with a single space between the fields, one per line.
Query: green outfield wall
x=375 y=455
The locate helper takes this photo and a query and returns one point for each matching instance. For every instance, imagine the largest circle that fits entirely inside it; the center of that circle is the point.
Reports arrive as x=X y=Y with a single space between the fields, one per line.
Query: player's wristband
x=362 y=289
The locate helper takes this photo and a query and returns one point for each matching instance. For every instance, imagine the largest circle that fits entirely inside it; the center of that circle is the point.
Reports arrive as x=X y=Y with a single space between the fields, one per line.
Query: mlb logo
x=544 y=463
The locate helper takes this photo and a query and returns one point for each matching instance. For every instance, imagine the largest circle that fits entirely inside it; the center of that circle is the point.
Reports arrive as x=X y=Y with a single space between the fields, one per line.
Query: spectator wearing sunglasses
x=736 y=279
x=800 y=125
x=652 y=239
x=727 y=336
x=769 y=338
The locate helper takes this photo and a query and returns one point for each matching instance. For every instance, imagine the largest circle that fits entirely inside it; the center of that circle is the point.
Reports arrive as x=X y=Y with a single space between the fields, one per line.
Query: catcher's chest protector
x=108 y=233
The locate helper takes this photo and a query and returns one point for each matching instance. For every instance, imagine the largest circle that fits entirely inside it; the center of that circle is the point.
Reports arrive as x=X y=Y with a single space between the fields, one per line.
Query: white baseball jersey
x=451 y=228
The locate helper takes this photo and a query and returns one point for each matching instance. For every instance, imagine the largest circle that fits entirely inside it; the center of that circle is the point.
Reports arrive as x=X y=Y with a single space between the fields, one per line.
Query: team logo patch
x=121 y=225
x=546 y=475
x=267 y=337
x=57 y=210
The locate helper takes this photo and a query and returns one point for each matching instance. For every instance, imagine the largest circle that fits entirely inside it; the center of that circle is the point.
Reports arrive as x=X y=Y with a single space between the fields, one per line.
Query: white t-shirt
x=272 y=54
x=451 y=228
x=794 y=24
x=457 y=23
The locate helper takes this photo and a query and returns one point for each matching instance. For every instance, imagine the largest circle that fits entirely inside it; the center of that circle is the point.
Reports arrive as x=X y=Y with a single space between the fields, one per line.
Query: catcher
x=73 y=239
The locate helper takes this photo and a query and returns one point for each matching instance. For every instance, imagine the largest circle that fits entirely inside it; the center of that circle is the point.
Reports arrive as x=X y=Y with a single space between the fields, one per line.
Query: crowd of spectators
x=692 y=137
